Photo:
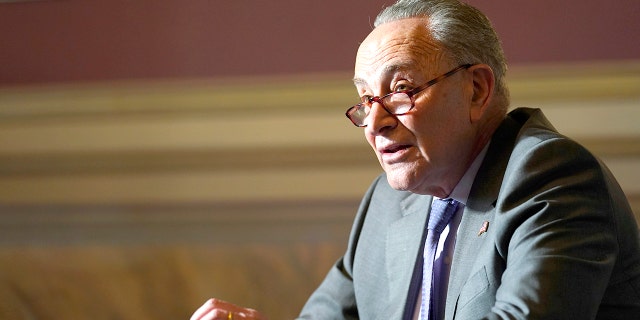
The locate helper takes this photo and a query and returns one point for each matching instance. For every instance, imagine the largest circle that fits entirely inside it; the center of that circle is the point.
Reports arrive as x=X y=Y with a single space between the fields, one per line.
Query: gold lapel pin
x=484 y=228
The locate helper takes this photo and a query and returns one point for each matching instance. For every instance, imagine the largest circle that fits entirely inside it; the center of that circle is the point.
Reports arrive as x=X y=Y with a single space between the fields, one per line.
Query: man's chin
x=403 y=183
x=398 y=183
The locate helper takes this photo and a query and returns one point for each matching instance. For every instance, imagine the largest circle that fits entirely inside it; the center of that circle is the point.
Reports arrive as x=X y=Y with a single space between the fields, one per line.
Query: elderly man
x=534 y=227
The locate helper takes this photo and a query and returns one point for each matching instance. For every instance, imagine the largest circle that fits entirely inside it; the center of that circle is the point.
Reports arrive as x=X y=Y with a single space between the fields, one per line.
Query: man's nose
x=379 y=119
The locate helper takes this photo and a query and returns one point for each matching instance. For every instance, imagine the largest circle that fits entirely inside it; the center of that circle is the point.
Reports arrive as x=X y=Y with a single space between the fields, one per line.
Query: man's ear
x=483 y=86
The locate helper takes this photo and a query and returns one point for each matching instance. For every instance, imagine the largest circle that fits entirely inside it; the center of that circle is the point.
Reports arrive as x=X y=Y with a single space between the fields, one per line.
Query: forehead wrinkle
x=421 y=49
x=409 y=49
x=414 y=48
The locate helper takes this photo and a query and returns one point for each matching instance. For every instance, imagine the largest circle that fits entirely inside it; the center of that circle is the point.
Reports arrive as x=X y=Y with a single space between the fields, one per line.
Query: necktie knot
x=441 y=212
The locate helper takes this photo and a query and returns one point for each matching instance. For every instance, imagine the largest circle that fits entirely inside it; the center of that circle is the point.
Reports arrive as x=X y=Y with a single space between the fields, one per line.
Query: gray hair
x=465 y=33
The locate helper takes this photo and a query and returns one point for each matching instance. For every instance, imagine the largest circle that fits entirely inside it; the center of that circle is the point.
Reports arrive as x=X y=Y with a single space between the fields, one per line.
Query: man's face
x=427 y=150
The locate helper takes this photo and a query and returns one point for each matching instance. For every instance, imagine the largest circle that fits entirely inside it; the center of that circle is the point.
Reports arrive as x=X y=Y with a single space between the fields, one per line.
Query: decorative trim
x=274 y=222
x=297 y=94
x=178 y=142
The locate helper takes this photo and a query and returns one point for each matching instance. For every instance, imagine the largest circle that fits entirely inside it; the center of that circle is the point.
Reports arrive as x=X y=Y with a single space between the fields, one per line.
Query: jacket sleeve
x=567 y=220
x=335 y=297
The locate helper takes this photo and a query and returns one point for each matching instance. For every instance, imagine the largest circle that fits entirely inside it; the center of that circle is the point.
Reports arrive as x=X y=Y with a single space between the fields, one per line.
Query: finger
x=229 y=307
x=235 y=315
x=251 y=314
x=220 y=309
x=248 y=314
x=206 y=308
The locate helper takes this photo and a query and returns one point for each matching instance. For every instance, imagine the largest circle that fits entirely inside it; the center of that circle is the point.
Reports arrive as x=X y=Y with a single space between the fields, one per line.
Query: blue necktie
x=442 y=210
x=441 y=213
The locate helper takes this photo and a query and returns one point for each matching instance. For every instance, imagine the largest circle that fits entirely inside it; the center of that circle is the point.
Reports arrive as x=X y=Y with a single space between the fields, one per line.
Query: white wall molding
x=283 y=138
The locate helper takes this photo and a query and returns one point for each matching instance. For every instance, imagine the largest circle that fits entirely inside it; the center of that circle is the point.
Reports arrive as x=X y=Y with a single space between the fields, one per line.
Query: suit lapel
x=480 y=208
x=403 y=243
x=468 y=246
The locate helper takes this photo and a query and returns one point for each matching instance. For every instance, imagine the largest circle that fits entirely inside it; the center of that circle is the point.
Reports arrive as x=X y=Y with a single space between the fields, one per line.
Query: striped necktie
x=442 y=210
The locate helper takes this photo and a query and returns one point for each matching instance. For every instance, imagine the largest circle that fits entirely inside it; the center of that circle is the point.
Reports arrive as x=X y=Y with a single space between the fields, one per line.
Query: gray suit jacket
x=562 y=242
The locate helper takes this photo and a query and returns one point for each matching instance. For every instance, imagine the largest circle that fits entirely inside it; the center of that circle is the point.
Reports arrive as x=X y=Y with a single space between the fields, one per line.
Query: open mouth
x=394 y=148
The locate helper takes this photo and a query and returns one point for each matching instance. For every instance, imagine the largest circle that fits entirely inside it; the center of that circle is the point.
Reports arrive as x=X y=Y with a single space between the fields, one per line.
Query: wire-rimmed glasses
x=395 y=103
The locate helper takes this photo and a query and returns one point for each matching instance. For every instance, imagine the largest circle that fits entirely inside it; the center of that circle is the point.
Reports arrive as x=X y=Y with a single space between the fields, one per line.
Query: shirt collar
x=461 y=191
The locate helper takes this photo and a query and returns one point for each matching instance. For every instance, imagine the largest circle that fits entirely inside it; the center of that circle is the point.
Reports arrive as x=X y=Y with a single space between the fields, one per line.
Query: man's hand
x=215 y=309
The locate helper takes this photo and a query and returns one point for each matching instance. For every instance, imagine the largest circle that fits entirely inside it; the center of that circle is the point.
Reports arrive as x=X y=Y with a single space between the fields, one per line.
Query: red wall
x=76 y=40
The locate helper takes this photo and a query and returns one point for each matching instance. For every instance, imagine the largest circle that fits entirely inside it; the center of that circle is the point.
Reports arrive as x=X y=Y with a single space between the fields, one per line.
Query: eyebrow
x=389 y=69
x=359 y=82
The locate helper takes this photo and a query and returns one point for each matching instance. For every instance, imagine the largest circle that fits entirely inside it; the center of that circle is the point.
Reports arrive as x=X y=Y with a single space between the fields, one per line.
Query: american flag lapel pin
x=484 y=228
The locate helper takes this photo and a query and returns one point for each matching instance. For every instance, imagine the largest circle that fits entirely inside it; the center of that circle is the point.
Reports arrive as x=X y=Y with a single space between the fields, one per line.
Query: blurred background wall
x=157 y=153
